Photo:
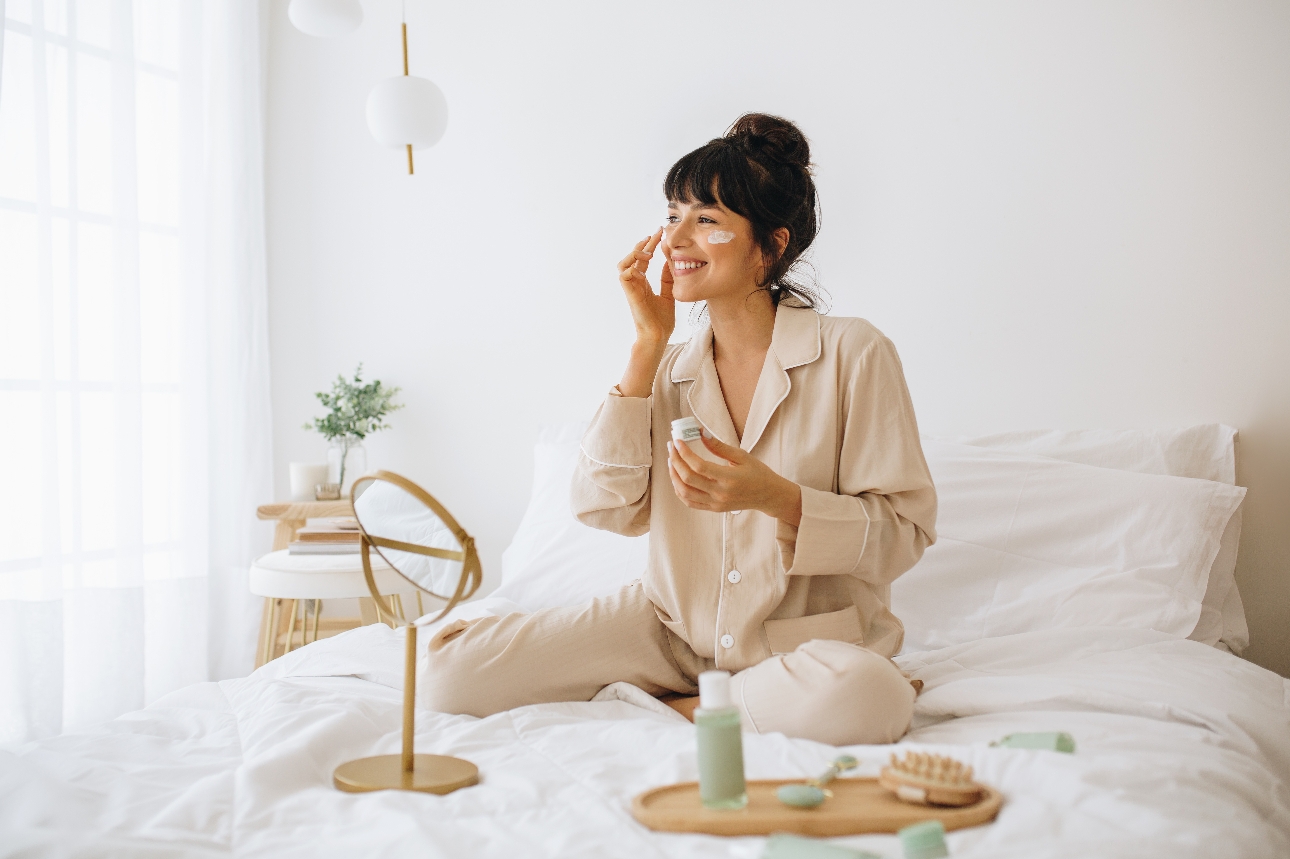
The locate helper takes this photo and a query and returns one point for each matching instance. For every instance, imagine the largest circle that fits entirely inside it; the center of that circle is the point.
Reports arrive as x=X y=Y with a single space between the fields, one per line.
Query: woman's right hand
x=653 y=313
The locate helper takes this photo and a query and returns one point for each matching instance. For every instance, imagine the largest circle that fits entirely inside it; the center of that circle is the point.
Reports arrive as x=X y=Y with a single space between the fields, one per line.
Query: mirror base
x=430 y=774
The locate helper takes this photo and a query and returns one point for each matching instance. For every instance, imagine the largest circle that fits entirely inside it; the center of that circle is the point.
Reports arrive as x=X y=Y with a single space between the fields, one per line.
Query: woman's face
x=712 y=252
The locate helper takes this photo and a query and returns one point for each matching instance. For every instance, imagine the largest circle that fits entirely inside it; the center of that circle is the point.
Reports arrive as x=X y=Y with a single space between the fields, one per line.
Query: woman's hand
x=653 y=313
x=746 y=484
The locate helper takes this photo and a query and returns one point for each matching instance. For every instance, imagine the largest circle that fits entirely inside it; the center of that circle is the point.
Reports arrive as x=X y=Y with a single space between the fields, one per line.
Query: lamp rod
x=405 y=48
x=405 y=74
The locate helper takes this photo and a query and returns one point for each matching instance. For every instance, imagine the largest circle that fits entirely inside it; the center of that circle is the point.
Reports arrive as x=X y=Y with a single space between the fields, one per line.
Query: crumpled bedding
x=1183 y=750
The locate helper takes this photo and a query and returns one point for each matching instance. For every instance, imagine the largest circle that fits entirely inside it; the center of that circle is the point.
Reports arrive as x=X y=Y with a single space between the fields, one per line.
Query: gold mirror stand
x=408 y=771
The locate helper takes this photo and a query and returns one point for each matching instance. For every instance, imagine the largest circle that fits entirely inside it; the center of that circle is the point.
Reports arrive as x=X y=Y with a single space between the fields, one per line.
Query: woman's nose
x=678 y=234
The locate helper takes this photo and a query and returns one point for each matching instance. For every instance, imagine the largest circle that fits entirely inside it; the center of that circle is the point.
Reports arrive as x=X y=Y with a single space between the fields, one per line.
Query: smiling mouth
x=686 y=266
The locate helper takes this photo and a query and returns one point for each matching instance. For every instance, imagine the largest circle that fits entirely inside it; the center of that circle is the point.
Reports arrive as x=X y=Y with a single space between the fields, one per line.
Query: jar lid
x=690 y=423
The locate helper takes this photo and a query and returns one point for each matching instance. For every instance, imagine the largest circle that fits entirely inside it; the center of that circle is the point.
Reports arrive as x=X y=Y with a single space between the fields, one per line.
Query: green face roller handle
x=812 y=794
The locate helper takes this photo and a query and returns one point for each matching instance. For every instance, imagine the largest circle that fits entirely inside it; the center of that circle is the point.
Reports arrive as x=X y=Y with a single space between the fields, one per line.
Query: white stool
x=280 y=576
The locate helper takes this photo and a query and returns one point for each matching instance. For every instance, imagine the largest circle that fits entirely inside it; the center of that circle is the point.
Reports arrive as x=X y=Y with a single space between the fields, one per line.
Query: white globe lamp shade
x=407 y=111
x=326 y=17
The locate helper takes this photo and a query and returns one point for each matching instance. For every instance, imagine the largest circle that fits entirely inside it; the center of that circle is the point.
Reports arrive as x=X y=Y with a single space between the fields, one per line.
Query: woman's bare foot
x=683 y=704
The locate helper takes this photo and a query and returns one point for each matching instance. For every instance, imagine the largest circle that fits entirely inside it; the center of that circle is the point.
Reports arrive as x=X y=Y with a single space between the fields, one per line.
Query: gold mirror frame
x=409 y=771
x=472 y=574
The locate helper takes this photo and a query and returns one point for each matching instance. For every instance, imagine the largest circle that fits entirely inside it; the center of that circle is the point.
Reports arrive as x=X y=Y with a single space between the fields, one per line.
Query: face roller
x=813 y=792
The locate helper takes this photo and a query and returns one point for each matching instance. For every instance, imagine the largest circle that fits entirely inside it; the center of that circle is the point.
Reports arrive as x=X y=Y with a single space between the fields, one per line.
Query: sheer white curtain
x=134 y=413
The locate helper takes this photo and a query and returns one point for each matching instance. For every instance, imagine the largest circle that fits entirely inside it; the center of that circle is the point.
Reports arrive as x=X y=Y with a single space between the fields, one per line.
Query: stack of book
x=336 y=535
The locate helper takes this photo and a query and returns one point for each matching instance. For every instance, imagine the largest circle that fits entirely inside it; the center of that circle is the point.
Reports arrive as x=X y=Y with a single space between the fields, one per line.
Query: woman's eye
x=703 y=220
x=672 y=219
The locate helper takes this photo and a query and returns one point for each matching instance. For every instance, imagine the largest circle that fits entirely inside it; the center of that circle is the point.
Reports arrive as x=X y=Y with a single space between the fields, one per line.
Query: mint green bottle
x=721 y=746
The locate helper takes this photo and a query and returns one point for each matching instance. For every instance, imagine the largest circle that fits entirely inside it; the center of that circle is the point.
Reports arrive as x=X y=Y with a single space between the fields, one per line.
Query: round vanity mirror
x=424 y=544
x=417 y=537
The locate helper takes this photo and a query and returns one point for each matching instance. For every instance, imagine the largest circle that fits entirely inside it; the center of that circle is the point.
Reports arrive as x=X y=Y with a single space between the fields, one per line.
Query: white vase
x=355 y=456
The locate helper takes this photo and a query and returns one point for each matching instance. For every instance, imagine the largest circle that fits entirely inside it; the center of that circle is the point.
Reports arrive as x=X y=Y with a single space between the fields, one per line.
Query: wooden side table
x=274 y=622
x=291 y=516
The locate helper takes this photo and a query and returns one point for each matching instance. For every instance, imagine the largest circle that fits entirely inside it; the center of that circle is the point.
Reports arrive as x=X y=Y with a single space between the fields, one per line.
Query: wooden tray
x=858 y=805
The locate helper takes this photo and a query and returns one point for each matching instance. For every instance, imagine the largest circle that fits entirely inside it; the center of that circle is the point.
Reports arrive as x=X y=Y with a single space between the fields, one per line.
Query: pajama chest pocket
x=785 y=634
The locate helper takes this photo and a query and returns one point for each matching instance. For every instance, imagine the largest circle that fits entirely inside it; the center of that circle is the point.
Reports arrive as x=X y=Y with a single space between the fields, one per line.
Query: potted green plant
x=355 y=411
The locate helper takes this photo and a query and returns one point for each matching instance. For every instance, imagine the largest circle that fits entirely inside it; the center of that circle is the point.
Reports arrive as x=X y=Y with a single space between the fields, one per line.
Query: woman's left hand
x=746 y=484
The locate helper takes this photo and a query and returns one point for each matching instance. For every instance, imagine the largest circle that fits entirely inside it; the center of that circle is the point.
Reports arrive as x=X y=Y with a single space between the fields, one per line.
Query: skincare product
x=721 y=747
x=924 y=840
x=814 y=793
x=1051 y=741
x=690 y=431
x=304 y=477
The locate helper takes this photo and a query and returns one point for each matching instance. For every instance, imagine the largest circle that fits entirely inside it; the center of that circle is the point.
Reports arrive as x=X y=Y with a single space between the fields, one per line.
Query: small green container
x=924 y=840
x=1049 y=741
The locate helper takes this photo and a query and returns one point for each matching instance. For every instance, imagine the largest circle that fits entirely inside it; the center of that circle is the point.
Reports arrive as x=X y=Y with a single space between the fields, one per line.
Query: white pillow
x=554 y=559
x=1205 y=452
x=1027 y=542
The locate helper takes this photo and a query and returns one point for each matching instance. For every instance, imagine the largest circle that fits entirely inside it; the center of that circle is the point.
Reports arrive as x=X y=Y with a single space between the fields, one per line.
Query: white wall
x=1068 y=214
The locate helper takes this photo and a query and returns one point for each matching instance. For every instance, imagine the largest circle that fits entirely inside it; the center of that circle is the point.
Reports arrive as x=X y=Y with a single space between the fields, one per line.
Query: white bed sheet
x=1183 y=750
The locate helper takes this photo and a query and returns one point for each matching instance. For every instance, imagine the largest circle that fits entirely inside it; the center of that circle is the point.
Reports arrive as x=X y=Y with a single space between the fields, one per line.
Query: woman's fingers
x=652 y=244
x=637 y=262
x=728 y=452
x=631 y=258
x=665 y=281
x=645 y=254
x=690 y=497
x=692 y=467
x=700 y=491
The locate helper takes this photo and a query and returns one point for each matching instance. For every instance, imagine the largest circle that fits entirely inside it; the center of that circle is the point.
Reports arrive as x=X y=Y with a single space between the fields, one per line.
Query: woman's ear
x=780 y=238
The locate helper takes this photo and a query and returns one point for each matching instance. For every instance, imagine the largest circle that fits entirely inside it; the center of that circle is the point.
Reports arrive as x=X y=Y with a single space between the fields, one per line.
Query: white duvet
x=1183 y=750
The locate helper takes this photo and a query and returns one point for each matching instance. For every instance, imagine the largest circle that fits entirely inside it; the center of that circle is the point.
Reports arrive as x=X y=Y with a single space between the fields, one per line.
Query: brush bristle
x=934 y=769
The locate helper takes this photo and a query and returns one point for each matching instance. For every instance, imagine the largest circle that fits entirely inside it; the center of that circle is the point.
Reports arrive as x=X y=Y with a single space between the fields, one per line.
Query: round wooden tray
x=858 y=805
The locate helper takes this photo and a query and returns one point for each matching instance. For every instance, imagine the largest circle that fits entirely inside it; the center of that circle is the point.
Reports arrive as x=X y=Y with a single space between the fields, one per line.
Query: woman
x=776 y=566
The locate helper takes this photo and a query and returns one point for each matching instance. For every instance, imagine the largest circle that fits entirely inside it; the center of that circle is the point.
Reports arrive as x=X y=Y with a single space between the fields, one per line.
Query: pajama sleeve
x=883 y=515
x=611 y=481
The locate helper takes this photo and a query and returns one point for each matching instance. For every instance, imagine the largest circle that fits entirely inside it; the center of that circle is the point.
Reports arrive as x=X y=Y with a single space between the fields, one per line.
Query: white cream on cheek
x=720 y=237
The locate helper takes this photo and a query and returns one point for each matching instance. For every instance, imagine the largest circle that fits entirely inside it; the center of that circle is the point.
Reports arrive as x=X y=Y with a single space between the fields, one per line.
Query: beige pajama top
x=831 y=412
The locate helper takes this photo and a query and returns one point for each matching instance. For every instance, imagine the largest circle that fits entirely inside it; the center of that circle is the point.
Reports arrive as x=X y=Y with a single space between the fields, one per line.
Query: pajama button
x=727 y=641
x=734 y=577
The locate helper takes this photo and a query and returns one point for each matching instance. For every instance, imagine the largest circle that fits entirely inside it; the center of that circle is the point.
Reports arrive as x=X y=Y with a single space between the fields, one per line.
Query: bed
x=1081 y=584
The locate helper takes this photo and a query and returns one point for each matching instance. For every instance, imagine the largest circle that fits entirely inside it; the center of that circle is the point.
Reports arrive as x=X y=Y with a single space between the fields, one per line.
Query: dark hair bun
x=773 y=137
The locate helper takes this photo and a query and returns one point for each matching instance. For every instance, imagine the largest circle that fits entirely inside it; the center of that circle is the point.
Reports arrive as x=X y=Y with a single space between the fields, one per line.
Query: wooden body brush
x=926 y=779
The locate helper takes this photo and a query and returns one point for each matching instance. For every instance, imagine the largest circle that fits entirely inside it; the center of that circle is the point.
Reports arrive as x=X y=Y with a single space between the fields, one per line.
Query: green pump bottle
x=721 y=748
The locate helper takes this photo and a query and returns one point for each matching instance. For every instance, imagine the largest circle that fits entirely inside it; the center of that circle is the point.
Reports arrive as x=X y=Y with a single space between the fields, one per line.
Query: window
x=95 y=400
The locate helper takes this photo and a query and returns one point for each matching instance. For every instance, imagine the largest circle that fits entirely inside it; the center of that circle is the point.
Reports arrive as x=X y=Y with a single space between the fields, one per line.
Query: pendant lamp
x=326 y=17
x=407 y=111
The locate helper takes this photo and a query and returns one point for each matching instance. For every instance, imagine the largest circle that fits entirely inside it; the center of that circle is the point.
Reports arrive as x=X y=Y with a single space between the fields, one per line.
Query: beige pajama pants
x=828 y=691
